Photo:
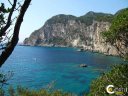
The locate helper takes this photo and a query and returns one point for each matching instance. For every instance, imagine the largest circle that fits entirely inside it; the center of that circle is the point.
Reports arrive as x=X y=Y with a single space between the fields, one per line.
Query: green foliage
x=5 y=77
x=1 y=92
x=11 y=91
x=117 y=76
x=61 y=19
x=3 y=11
x=126 y=57
x=119 y=28
x=117 y=35
x=87 y=19
x=20 y=91
x=90 y=16
x=3 y=81
x=109 y=36
x=58 y=41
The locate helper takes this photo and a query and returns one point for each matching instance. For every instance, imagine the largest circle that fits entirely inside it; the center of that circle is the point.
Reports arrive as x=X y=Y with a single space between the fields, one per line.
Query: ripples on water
x=36 y=67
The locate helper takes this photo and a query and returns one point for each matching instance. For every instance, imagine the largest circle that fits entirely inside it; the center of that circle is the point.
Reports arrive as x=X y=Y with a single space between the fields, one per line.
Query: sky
x=41 y=10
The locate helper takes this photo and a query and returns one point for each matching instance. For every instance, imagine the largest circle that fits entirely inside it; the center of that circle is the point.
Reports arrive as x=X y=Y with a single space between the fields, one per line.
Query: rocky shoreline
x=70 y=31
x=78 y=49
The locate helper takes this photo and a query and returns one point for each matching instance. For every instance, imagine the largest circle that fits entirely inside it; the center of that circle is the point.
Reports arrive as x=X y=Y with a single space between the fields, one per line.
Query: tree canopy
x=117 y=77
x=117 y=35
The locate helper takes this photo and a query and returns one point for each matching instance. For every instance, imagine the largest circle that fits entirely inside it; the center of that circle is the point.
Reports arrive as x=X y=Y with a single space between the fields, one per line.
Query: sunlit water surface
x=38 y=67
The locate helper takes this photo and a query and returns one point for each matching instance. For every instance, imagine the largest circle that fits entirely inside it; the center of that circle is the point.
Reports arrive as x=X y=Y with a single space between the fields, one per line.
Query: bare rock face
x=67 y=30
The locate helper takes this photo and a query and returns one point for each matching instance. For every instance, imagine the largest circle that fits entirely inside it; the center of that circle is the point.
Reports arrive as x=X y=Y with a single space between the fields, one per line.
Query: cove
x=36 y=67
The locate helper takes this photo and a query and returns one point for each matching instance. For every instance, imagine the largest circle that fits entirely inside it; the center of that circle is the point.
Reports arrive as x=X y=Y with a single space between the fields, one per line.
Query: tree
x=118 y=32
x=117 y=76
x=7 y=46
x=117 y=36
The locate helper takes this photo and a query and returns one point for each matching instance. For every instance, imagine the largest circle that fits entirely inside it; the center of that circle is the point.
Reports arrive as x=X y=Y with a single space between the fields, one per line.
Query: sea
x=56 y=68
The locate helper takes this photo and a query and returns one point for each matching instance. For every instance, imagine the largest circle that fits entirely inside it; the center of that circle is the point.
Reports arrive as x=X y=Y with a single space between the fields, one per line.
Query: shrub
x=20 y=91
x=118 y=77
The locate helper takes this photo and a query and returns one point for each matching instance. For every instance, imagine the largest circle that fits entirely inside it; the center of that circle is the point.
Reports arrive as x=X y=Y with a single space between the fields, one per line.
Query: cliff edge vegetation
x=71 y=31
x=117 y=35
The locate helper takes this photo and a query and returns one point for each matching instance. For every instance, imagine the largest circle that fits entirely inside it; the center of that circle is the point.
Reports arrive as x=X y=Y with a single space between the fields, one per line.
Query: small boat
x=80 y=50
x=83 y=65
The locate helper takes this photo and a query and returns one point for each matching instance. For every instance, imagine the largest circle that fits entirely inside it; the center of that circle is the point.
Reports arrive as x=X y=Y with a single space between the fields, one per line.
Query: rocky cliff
x=67 y=30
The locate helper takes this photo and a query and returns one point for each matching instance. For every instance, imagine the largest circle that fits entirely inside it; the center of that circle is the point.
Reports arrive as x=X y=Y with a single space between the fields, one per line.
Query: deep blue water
x=36 y=67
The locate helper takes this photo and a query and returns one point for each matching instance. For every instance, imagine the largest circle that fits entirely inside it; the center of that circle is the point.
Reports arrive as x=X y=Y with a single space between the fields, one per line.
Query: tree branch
x=9 y=20
x=7 y=52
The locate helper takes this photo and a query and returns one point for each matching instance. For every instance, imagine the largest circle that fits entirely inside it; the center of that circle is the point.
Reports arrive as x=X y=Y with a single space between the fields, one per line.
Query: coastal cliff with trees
x=117 y=36
x=102 y=33
x=70 y=31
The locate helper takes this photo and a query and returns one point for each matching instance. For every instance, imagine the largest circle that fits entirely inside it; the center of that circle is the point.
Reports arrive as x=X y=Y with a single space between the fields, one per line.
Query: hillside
x=71 y=31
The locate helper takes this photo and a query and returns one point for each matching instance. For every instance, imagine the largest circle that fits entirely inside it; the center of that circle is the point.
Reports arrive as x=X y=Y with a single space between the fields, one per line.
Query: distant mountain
x=67 y=30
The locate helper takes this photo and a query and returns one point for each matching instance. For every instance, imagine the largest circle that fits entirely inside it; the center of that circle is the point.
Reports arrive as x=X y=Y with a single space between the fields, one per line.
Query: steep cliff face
x=68 y=30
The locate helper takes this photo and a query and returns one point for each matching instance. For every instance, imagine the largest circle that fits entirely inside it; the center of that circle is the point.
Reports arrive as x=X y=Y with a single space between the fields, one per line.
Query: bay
x=38 y=67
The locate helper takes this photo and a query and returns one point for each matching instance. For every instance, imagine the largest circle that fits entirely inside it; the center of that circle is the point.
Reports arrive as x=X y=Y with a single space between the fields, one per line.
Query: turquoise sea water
x=36 y=67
